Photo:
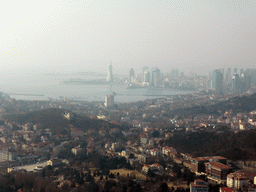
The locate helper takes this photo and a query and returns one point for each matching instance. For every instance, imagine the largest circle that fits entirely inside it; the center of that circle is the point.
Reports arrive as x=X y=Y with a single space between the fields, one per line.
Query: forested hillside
x=237 y=104
x=54 y=119
x=235 y=146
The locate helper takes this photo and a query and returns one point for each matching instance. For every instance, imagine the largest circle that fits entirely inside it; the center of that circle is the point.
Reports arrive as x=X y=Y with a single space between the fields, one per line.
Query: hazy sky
x=84 y=35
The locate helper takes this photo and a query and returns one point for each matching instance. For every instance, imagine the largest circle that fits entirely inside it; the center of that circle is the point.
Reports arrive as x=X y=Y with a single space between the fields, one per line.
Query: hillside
x=237 y=104
x=53 y=119
x=230 y=145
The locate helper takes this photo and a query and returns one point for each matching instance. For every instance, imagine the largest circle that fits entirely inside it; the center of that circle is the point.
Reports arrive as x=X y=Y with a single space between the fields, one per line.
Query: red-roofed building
x=155 y=152
x=76 y=150
x=167 y=150
x=156 y=167
x=217 y=171
x=76 y=133
x=238 y=180
x=145 y=168
x=198 y=163
x=199 y=186
x=226 y=189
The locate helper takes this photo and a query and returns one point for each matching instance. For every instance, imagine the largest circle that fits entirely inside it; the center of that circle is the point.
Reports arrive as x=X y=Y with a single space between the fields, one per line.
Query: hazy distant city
x=128 y=96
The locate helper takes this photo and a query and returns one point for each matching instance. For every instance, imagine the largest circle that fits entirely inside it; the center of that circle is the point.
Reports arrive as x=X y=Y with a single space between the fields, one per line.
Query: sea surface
x=49 y=86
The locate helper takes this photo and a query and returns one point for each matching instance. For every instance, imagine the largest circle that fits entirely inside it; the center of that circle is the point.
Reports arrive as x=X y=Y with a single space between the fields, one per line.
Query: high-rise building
x=109 y=100
x=245 y=82
x=155 y=76
x=241 y=72
x=146 y=76
x=110 y=77
x=235 y=70
x=131 y=75
x=217 y=80
x=143 y=73
x=228 y=76
x=235 y=83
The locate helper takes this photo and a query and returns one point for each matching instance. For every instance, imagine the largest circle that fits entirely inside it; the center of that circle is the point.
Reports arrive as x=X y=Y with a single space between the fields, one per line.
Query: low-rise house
x=54 y=162
x=134 y=162
x=76 y=150
x=167 y=150
x=177 y=160
x=143 y=158
x=187 y=164
x=145 y=168
x=76 y=133
x=227 y=189
x=102 y=132
x=155 y=152
x=156 y=167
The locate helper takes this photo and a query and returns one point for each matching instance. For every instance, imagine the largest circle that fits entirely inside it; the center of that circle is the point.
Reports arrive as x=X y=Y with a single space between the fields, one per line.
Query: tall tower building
x=241 y=72
x=155 y=76
x=146 y=76
x=217 y=80
x=109 y=100
x=110 y=77
x=245 y=82
x=235 y=83
x=143 y=72
x=228 y=76
x=131 y=75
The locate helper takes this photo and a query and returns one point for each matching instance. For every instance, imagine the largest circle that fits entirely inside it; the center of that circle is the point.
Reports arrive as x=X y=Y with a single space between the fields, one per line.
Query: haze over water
x=51 y=87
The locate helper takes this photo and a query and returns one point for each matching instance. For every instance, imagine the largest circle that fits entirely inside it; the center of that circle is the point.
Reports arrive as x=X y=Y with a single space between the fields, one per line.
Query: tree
x=163 y=187
x=155 y=134
x=43 y=173
x=151 y=173
x=131 y=156
x=93 y=187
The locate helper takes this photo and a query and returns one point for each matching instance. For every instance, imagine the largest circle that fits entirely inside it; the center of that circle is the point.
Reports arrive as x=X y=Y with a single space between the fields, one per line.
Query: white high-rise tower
x=110 y=74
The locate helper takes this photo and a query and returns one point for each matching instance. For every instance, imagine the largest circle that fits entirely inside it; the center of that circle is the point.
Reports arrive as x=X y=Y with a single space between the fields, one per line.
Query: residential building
x=143 y=158
x=155 y=152
x=237 y=180
x=217 y=171
x=167 y=150
x=217 y=80
x=54 y=162
x=199 y=186
x=76 y=150
x=109 y=100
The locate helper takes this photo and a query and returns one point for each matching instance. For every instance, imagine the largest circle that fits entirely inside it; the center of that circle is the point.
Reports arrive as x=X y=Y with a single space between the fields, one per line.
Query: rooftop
x=219 y=165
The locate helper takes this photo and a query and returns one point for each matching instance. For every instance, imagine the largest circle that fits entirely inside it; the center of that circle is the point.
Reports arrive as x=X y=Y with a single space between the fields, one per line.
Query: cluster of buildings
x=236 y=181
x=232 y=81
x=155 y=78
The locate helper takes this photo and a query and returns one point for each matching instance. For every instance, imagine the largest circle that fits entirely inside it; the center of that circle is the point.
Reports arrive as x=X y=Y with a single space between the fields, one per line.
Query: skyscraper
x=228 y=76
x=235 y=83
x=131 y=75
x=146 y=76
x=155 y=76
x=110 y=77
x=217 y=80
x=109 y=100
